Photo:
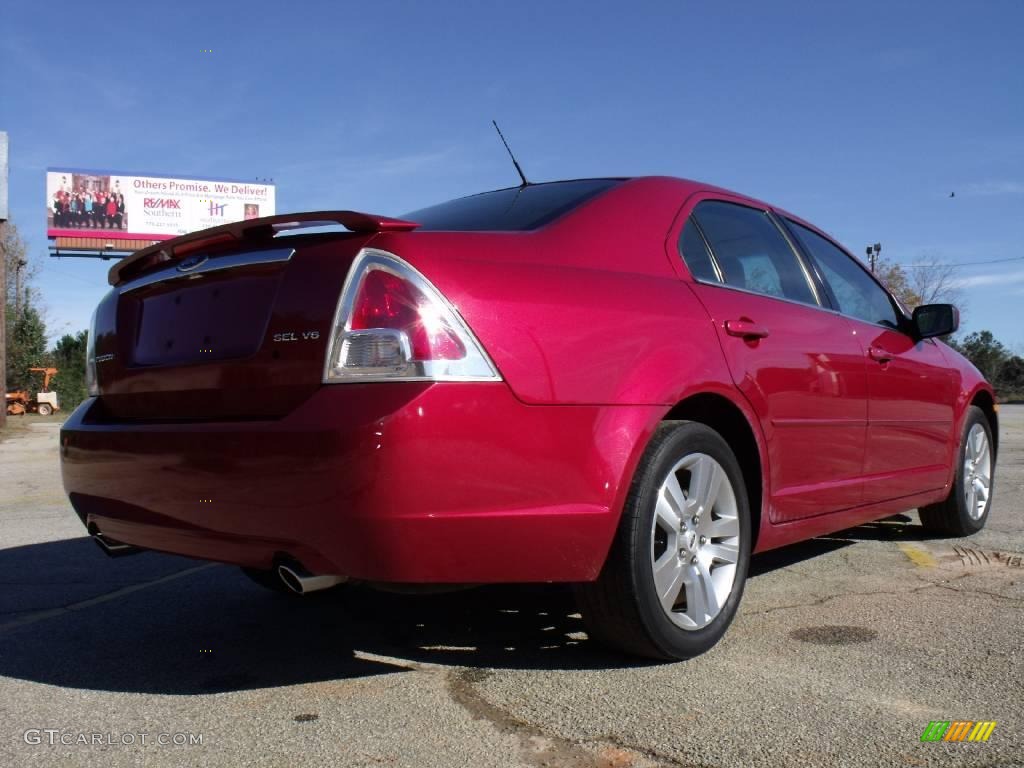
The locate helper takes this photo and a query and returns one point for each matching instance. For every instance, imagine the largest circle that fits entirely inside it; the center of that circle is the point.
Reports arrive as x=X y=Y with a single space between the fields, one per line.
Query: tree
x=986 y=352
x=3 y=323
x=935 y=282
x=1011 y=375
x=20 y=269
x=26 y=348
x=23 y=315
x=926 y=281
x=68 y=357
x=895 y=278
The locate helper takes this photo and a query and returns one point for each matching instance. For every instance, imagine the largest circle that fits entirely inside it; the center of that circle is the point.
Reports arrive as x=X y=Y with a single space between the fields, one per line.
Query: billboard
x=136 y=206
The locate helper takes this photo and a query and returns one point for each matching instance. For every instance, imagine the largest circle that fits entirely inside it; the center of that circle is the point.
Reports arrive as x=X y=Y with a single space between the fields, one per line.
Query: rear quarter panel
x=586 y=311
x=573 y=336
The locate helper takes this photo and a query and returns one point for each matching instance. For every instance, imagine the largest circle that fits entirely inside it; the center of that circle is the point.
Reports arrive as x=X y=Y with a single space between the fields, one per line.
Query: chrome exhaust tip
x=111 y=547
x=298 y=580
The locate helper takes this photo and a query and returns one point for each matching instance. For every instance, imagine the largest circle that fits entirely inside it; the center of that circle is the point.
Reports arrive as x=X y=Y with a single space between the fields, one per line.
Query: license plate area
x=204 y=319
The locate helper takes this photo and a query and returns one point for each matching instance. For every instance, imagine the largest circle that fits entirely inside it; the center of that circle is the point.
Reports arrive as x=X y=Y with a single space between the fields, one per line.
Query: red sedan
x=630 y=384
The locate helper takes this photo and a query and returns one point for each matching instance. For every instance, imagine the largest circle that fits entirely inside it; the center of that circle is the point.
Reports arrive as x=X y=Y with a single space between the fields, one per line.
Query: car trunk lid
x=224 y=324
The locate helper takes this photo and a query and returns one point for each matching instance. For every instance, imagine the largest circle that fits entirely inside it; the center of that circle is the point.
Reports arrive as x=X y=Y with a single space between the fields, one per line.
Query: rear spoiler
x=252 y=229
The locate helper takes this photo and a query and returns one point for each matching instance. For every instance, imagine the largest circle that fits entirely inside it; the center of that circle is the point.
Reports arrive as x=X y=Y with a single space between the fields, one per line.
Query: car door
x=799 y=365
x=911 y=388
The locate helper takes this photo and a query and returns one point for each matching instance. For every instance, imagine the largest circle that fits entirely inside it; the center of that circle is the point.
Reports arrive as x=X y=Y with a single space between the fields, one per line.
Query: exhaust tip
x=111 y=547
x=290 y=578
x=300 y=581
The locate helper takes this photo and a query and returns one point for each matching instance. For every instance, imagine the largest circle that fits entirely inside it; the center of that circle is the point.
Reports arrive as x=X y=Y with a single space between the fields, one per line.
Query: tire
x=45 y=409
x=267 y=579
x=965 y=511
x=622 y=609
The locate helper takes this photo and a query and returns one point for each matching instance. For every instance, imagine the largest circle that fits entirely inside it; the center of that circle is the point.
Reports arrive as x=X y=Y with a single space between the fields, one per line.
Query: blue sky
x=862 y=120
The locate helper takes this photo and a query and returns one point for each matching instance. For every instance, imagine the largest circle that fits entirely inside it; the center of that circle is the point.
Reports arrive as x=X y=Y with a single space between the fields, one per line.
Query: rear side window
x=856 y=291
x=751 y=252
x=695 y=253
x=510 y=210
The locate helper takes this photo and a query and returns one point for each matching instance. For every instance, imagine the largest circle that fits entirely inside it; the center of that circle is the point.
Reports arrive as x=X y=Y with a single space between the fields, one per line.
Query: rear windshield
x=510 y=210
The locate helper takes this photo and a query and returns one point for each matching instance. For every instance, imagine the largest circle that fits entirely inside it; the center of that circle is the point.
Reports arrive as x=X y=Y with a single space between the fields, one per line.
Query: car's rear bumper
x=399 y=482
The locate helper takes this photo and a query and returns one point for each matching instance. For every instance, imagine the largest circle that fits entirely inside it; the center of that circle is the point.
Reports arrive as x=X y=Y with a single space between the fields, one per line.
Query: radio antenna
x=514 y=161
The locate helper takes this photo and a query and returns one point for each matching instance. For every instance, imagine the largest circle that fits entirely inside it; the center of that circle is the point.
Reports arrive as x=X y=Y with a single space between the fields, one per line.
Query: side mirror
x=936 y=320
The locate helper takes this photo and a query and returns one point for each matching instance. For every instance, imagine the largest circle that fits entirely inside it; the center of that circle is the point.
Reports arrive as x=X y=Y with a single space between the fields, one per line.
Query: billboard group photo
x=86 y=201
x=154 y=207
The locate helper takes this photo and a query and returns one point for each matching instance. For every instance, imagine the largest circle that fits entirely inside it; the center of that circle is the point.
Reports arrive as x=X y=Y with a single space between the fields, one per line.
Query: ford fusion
x=627 y=384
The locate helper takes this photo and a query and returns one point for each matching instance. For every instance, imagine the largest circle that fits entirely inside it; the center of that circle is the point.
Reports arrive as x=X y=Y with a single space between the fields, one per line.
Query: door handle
x=746 y=329
x=876 y=353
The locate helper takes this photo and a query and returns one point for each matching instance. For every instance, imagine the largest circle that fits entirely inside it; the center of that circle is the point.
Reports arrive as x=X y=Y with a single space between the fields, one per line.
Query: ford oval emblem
x=189 y=264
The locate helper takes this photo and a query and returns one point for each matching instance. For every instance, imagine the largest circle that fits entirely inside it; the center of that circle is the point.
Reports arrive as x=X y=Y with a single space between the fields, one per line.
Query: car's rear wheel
x=966 y=509
x=676 y=571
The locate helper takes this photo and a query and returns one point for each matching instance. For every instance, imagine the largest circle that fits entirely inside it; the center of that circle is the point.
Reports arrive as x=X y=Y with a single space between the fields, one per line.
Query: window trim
x=771 y=216
x=707 y=244
x=903 y=322
x=821 y=291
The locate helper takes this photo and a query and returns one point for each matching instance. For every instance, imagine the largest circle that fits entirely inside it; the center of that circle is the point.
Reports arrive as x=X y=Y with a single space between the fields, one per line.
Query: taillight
x=385 y=300
x=392 y=324
x=91 y=383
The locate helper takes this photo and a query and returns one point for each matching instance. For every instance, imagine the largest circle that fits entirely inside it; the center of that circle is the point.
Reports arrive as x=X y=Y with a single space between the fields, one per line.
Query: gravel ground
x=844 y=649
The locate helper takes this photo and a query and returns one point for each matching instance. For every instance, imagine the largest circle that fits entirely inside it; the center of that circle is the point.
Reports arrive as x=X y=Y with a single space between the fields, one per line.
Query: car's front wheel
x=676 y=571
x=966 y=509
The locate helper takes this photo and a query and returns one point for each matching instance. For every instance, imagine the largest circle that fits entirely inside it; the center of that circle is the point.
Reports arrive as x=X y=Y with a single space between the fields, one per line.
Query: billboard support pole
x=59 y=250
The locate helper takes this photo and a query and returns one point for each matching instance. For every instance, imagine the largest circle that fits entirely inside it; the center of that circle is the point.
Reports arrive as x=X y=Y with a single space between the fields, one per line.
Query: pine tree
x=69 y=359
x=26 y=348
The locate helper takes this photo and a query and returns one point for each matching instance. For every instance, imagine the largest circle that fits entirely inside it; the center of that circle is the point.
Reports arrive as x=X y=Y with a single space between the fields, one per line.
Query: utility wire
x=962 y=264
x=62 y=273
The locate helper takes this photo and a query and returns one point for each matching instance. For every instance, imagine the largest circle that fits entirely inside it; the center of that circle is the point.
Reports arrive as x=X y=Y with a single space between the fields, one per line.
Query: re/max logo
x=161 y=202
x=958 y=730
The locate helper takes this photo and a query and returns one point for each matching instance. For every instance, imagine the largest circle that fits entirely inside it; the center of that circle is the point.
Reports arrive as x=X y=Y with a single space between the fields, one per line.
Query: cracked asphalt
x=844 y=649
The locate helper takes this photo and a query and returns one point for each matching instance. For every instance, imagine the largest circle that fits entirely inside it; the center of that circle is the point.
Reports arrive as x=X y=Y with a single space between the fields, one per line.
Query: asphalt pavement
x=844 y=649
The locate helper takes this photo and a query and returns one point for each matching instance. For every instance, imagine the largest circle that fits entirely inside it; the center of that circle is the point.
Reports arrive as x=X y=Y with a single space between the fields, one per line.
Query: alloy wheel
x=695 y=541
x=977 y=471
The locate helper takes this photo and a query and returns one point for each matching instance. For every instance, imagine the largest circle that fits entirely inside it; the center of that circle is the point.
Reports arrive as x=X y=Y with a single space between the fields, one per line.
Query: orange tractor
x=44 y=403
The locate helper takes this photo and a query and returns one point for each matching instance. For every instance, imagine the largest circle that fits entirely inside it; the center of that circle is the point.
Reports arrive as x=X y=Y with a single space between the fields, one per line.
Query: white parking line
x=32 y=618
